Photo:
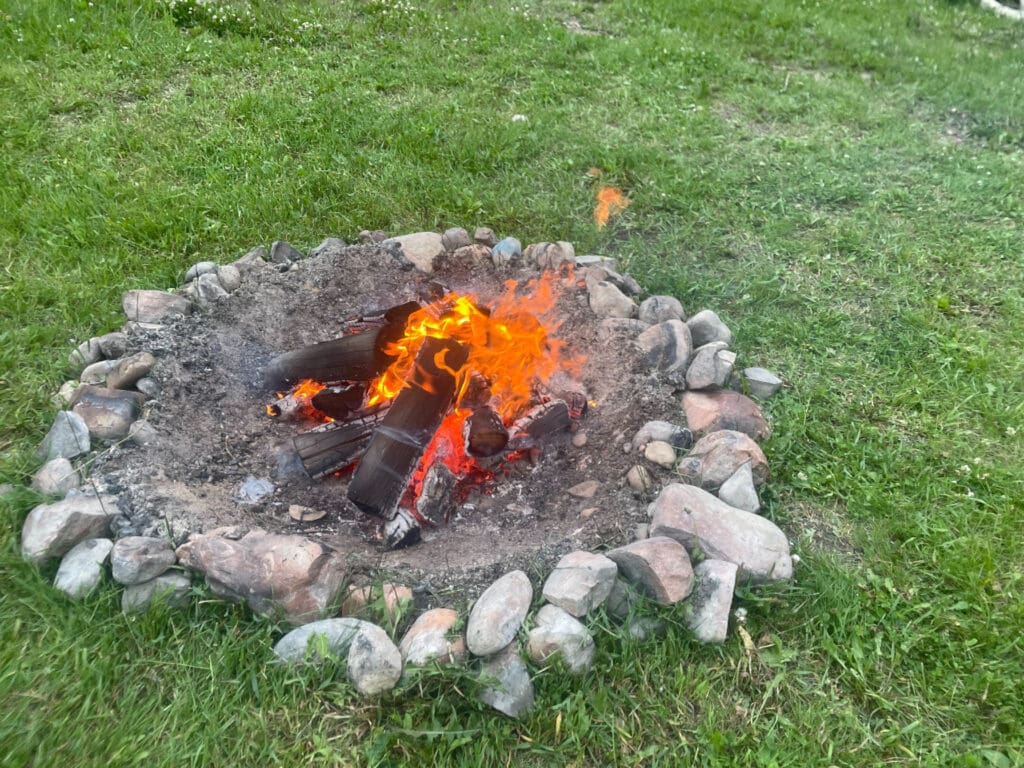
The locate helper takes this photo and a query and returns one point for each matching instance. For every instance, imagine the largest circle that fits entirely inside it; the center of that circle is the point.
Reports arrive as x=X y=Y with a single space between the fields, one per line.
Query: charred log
x=335 y=445
x=405 y=432
x=486 y=435
x=437 y=494
x=359 y=356
x=540 y=421
x=339 y=402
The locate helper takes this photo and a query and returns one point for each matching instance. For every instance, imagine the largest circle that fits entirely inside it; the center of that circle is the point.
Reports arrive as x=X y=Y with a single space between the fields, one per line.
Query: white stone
x=706 y=326
x=739 y=490
x=761 y=383
x=81 y=569
x=555 y=632
x=421 y=248
x=707 y=612
x=580 y=582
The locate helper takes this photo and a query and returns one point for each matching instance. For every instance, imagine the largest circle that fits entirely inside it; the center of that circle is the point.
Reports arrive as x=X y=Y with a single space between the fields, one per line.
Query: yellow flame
x=610 y=202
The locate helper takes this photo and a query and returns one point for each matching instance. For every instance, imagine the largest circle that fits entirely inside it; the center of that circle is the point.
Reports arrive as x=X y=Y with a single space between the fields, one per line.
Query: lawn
x=840 y=181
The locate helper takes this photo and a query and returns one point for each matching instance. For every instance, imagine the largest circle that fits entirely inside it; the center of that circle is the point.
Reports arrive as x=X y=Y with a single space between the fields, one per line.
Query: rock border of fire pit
x=704 y=535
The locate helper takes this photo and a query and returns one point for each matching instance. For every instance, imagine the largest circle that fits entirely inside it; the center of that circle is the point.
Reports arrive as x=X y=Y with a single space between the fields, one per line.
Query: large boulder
x=700 y=521
x=272 y=572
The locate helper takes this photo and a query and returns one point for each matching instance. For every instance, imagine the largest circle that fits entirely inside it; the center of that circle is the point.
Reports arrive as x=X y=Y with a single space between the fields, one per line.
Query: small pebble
x=305 y=514
x=660 y=453
x=579 y=439
x=639 y=479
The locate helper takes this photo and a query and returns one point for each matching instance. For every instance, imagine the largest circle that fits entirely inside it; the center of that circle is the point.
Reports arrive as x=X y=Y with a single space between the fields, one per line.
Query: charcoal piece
x=415 y=414
x=486 y=435
x=540 y=421
x=337 y=444
x=339 y=402
x=476 y=393
x=437 y=494
x=402 y=530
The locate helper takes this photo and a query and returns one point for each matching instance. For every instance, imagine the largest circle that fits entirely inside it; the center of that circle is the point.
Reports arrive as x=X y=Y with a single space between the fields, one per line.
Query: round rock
x=658 y=309
x=432 y=637
x=455 y=238
x=81 y=569
x=608 y=301
x=498 y=613
x=660 y=453
x=135 y=559
x=56 y=478
x=706 y=326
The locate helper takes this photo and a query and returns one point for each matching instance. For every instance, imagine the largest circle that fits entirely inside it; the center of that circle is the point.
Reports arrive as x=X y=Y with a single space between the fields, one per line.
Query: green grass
x=841 y=181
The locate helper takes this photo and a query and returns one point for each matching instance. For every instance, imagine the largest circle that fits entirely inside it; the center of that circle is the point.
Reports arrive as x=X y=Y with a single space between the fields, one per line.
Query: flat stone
x=707 y=612
x=130 y=369
x=585 y=490
x=433 y=638
x=374 y=661
x=136 y=559
x=472 y=255
x=640 y=480
x=253 y=260
x=555 y=632
x=659 y=565
x=676 y=436
x=281 y=252
x=498 y=613
x=422 y=249
x=455 y=238
x=172 y=589
x=711 y=366
x=209 y=290
x=719 y=409
x=706 y=326
x=699 y=520
x=97 y=372
x=51 y=530
x=229 y=277
x=68 y=437
x=608 y=301
x=580 y=582
x=363 y=601
x=658 y=309
x=508 y=687
x=317 y=641
x=716 y=457
x=108 y=413
x=667 y=347
x=81 y=569
x=506 y=253
x=272 y=572
x=199 y=268
x=153 y=306
x=613 y=327
x=739 y=491
x=148 y=386
x=761 y=383
x=485 y=236
x=113 y=345
x=303 y=514
x=86 y=353
x=56 y=478
x=548 y=255
x=660 y=453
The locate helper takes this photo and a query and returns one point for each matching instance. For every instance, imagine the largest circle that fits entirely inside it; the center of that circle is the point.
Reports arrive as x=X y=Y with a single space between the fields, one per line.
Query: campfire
x=417 y=402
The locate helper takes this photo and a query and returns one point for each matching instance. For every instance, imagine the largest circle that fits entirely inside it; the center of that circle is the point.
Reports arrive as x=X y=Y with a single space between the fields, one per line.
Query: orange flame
x=610 y=202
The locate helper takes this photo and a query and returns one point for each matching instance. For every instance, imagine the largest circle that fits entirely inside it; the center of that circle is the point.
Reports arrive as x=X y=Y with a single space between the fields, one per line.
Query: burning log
x=335 y=445
x=405 y=432
x=540 y=421
x=486 y=435
x=359 y=356
x=339 y=402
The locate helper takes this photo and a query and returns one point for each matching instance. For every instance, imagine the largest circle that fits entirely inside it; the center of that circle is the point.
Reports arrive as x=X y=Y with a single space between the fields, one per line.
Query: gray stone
x=641 y=531
x=141 y=432
x=86 y=353
x=659 y=566
x=608 y=301
x=376 y=236
x=282 y=253
x=506 y=253
x=153 y=306
x=658 y=309
x=678 y=437
x=65 y=393
x=209 y=290
x=485 y=236
x=97 y=372
x=660 y=453
x=130 y=369
x=108 y=413
x=253 y=260
x=272 y=572
x=81 y=569
x=622 y=600
x=555 y=632
x=643 y=628
x=230 y=278
x=580 y=582
x=172 y=589
x=432 y=638
x=667 y=347
x=56 y=478
x=625 y=283
x=706 y=326
x=498 y=613
x=711 y=366
x=68 y=437
x=716 y=457
x=548 y=255
x=318 y=641
x=148 y=386
x=422 y=249
x=761 y=383
x=508 y=686
x=472 y=255
x=612 y=327
x=590 y=260
x=136 y=559
x=199 y=268
x=739 y=491
x=51 y=530
x=698 y=520
x=455 y=238
x=331 y=246
x=113 y=345
x=720 y=409
x=707 y=612
x=640 y=480
x=374 y=661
